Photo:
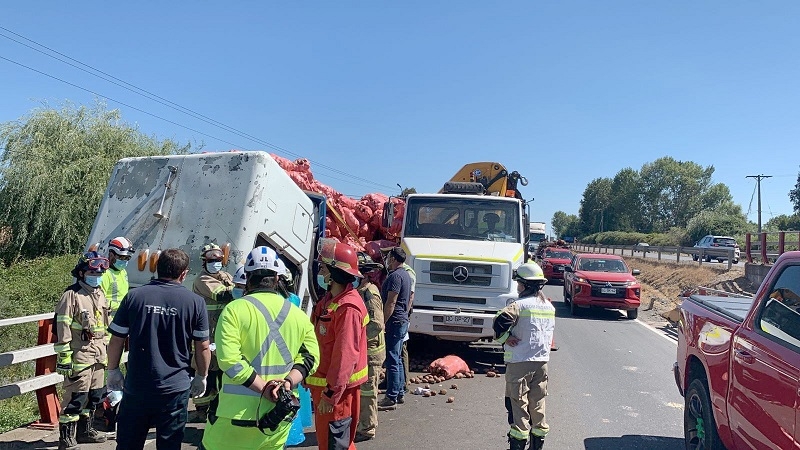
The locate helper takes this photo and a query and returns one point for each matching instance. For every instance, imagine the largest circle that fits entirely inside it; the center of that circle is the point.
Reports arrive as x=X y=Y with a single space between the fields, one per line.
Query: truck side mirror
x=388 y=213
x=636 y=272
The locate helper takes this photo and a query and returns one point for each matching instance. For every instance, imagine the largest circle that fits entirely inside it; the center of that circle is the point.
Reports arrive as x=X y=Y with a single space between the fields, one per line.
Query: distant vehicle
x=642 y=247
x=553 y=261
x=738 y=363
x=537 y=232
x=603 y=281
x=711 y=241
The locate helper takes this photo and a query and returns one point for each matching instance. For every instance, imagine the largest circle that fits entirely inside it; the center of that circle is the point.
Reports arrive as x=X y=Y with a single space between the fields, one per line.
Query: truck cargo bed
x=733 y=308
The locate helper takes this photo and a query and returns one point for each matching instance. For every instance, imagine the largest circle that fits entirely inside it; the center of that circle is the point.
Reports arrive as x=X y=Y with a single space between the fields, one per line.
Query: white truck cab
x=237 y=200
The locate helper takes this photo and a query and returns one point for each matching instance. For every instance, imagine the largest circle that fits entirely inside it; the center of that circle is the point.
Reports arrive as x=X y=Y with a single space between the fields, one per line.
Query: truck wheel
x=699 y=427
x=633 y=313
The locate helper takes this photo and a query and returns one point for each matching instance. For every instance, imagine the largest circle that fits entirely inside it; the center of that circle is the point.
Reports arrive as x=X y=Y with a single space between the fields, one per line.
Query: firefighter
x=264 y=343
x=115 y=280
x=340 y=319
x=239 y=282
x=81 y=323
x=216 y=287
x=525 y=328
x=376 y=349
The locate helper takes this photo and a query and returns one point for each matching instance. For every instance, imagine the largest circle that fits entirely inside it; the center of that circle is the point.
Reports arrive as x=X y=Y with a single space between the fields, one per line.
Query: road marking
x=656 y=331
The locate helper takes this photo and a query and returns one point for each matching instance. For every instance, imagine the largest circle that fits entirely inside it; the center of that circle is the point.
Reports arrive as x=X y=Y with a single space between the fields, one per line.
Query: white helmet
x=529 y=272
x=121 y=246
x=239 y=277
x=263 y=258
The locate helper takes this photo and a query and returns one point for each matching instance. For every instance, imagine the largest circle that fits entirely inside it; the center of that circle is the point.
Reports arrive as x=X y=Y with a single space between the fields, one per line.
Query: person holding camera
x=340 y=321
x=266 y=347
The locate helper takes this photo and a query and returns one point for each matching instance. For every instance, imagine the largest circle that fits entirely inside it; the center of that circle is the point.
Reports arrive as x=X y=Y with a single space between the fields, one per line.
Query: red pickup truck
x=738 y=365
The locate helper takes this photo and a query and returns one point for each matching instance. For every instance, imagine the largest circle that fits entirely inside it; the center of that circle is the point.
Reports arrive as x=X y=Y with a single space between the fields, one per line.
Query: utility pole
x=758 y=184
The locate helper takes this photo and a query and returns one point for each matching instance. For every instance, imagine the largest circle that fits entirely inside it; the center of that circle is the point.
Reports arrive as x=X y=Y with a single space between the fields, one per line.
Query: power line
x=163 y=101
x=758 y=184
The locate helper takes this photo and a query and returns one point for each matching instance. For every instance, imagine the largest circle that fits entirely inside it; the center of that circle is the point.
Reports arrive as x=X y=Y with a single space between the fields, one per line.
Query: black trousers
x=137 y=413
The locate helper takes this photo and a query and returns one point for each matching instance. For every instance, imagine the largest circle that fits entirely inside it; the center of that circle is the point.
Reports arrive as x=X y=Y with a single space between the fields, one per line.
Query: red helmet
x=339 y=255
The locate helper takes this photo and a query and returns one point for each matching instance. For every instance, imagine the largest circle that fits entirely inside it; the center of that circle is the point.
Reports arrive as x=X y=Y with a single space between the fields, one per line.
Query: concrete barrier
x=756 y=273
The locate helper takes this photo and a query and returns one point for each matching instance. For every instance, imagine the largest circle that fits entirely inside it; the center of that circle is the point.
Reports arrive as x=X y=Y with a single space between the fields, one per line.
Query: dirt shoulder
x=662 y=282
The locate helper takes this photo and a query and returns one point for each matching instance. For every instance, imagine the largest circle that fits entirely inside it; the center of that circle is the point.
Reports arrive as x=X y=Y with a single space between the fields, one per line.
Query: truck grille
x=475 y=320
x=451 y=299
x=457 y=329
x=598 y=285
x=477 y=274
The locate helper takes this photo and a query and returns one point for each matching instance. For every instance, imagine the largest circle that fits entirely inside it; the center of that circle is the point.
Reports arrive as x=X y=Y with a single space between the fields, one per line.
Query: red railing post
x=763 y=240
x=748 y=247
x=781 y=242
x=47 y=397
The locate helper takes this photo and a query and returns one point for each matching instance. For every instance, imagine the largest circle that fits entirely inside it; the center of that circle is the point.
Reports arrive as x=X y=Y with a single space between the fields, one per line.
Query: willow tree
x=54 y=168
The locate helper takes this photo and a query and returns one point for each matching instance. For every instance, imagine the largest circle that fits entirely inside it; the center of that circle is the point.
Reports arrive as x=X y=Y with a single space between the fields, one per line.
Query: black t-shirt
x=398 y=281
x=161 y=319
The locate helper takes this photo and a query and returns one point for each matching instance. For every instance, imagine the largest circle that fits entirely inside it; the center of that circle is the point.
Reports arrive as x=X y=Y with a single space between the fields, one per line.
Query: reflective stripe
x=275 y=337
x=365 y=321
x=539 y=432
x=75 y=326
x=235 y=370
x=199 y=334
x=119 y=329
x=376 y=350
x=503 y=337
x=359 y=375
x=516 y=434
x=61 y=348
x=316 y=381
x=114 y=288
x=214 y=307
x=538 y=313
x=64 y=319
x=238 y=389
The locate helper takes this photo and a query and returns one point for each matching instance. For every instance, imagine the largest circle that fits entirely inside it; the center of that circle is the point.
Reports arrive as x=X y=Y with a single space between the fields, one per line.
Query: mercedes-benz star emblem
x=460 y=274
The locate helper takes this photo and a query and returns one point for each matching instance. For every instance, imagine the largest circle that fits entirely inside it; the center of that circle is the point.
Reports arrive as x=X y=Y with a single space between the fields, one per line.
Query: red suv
x=553 y=262
x=603 y=281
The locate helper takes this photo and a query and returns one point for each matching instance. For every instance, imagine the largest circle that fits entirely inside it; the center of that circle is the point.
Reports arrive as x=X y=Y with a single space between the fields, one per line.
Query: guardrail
x=695 y=253
x=45 y=377
x=767 y=246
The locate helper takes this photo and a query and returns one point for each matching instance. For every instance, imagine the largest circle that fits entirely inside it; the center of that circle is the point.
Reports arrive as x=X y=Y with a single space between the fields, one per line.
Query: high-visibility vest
x=265 y=334
x=114 y=284
x=534 y=328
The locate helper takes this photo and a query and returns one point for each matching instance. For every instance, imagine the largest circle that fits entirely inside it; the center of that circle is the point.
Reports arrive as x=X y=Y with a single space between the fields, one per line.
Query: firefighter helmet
x=366 y=264
x=121 y=246
x=262 y=258
x=529 y=272
x=339 y=255
x=211 y=252
x=239 y=277
x=90 y=261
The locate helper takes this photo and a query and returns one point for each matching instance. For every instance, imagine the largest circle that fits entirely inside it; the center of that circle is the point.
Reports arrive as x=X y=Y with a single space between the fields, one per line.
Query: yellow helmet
x=529 y=272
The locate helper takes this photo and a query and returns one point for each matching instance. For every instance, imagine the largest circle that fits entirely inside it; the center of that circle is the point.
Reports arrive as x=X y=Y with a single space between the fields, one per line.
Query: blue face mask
x=356 y=283
x=321 y=281
x=214 y=267
x=92 y=281
x=238 y=292
x=120 y=264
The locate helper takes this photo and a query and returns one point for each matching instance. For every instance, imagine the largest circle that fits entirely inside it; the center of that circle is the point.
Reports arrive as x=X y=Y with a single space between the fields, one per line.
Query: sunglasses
x=98 y=263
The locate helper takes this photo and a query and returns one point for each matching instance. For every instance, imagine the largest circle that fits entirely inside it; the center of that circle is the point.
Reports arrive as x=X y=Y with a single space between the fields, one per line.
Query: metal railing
x=765 y=247
x=677 y=253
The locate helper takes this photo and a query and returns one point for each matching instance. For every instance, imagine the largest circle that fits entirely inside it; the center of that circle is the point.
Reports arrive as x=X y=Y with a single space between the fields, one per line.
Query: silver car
x=712 y=241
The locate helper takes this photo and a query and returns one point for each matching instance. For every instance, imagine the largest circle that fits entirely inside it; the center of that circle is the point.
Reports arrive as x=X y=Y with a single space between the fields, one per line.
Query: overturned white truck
x=237 y=200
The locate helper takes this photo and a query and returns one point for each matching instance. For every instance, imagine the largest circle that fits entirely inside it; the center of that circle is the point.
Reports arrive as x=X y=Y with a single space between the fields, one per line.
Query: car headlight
x=581 y=280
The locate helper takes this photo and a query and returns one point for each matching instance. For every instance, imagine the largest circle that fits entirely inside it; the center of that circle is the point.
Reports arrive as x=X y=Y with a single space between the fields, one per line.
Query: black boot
x=537 y=442
x=66 y=436
x=516 y=444
x=86 y=433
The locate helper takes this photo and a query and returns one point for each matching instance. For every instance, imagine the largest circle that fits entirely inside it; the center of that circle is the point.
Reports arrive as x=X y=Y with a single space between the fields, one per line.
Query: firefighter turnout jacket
x=341 y=327
x=260 y=335
x=81 y=322
x=376 y=341
x=531 y=320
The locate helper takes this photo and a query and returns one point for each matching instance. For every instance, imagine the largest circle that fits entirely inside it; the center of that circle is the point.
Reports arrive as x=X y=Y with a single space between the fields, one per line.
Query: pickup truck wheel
x=708 y=258
x=633 y=313
x=574 y=310
x=695 y=257
x=699 y=427
x=566 y=294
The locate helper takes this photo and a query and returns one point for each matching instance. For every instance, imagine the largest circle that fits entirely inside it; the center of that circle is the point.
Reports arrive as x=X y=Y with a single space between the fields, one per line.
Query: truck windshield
x=537 y=237
x=465 y=219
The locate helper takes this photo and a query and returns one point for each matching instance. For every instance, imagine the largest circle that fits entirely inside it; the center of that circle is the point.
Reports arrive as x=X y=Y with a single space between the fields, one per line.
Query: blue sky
x=408 y=92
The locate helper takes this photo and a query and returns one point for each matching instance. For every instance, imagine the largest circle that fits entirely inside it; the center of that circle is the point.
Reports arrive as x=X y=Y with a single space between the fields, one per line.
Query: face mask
x=92 y=281
x=238 y=292
x=356 y=283
x=214 y=267
x=321 y=281
x=120 y=264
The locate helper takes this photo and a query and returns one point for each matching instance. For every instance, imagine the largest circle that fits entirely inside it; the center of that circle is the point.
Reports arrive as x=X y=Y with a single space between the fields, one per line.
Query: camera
x=285 y=409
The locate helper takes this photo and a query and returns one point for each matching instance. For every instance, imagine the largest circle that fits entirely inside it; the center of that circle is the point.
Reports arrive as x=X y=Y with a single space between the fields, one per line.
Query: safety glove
x=64 y=364
x=198 y=387
x=115 y=380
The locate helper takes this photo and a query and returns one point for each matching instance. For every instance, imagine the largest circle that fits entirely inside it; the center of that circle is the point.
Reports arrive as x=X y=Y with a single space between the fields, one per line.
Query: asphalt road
x=611 y=388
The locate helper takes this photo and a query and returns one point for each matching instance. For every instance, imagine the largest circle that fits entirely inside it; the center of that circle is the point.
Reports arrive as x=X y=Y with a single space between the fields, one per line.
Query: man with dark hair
x=161 y=319
x=396 y=295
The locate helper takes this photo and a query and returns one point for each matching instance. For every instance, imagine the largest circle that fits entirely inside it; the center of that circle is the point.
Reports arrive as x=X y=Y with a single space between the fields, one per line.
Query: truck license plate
x=608 y=291
x=457 y=320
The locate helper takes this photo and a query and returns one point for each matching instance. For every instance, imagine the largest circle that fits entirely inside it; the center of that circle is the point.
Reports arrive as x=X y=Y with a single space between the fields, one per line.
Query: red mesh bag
x=448 y=366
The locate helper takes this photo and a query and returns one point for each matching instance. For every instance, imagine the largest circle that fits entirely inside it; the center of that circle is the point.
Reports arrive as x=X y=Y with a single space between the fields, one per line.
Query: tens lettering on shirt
x=162 y=310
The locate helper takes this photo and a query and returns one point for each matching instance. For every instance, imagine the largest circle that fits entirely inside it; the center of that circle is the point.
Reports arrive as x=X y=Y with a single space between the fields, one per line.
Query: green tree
x=783 y=223
x=794 y=195
x=559 y=222
x=407 y=191
x=594 y=209
x=715 y=222
x=625 y=208
x=54 y=168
